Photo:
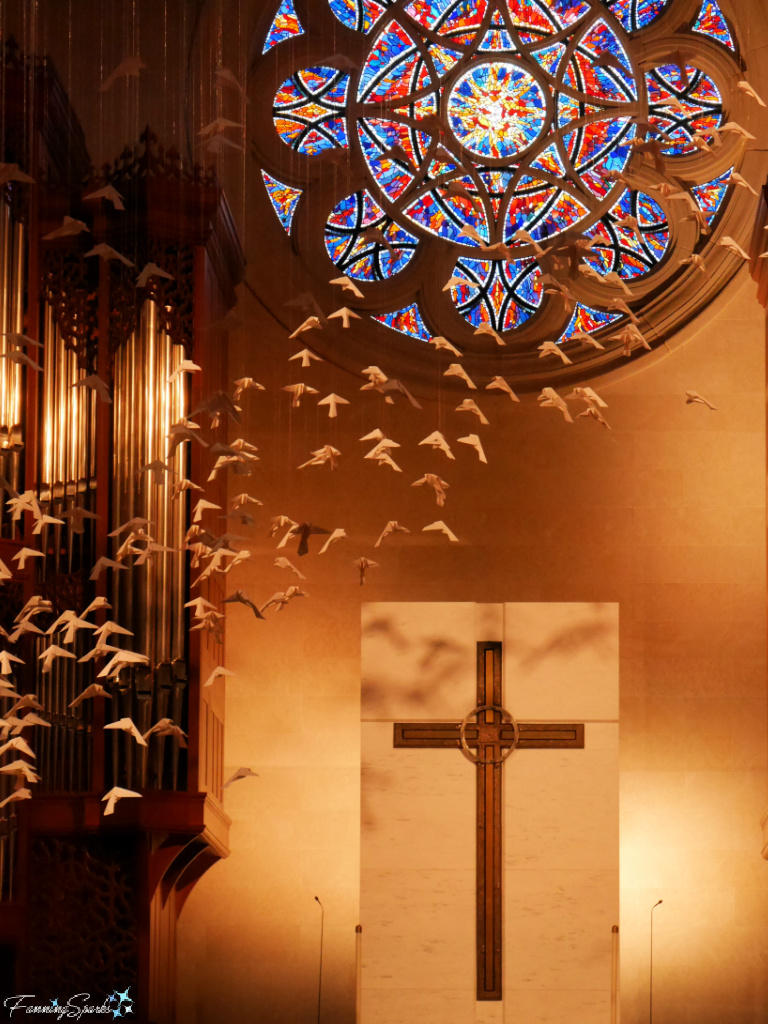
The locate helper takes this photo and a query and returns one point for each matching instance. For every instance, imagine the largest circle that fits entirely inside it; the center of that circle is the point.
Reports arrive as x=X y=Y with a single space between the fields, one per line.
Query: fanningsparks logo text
x=119 y=1004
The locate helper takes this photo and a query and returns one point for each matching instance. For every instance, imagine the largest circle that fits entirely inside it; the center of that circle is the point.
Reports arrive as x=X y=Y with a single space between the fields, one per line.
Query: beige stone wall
x=664 y=515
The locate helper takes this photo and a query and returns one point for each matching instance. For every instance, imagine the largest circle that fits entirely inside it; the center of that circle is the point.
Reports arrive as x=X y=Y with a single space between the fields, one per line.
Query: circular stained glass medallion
x=496 y=110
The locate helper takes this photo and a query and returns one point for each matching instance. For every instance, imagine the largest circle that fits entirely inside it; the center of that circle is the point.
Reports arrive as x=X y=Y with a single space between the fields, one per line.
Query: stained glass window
x=502 y=293
x=285 y=25
x=711 y=22
x=507 y=140
x=588 y=320
x=407 y=321
x=284 y=199
x=710 y=195
x=631 y=238
x=364 y=243
x=360 y=15
x=683 y=102
x=636 y=14
x=309 y=110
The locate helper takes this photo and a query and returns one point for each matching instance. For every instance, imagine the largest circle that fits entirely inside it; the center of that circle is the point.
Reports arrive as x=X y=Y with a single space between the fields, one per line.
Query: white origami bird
x=498 y=383
x=311 y=323
x=218 y=673
x=338 y=534
x=241 y=773
x=129 y=67
x=550 y=348
x=440 y=527
x=106 y=252
x=348 y=285
x=433 y=481
x=550 y=398
x=474 y=440
x=94 y=690
x=487 y=329
x=457 y=370
x=110 y=193
x=17 y=794
x=306 y=356
x=392 y=527
x=152 y=270
x=115 y=794
x=69 y=228
x=442 y=343
x=696 y=261
x=203 y=506
x=693 y=397
x=363 y=565
x=469 y=405
x=733 y=246
x=49 y=654
x=333 y=402
x=126 y=725
x=296 y=391
x=345 y=315
x=738 y=179
x=439 y=443
x=747 y=88
x=281 y=562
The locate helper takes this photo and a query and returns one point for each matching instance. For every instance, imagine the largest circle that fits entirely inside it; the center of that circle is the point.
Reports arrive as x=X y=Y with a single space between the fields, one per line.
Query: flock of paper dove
x=212 y=554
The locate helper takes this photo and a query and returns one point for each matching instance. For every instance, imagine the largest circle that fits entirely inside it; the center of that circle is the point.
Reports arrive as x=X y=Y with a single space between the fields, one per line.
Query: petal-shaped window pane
x=636 y=14
x=457 y=19
x=361 y=15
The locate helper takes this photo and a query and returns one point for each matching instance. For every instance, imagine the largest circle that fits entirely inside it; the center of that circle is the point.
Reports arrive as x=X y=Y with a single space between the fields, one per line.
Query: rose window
x=541 y=168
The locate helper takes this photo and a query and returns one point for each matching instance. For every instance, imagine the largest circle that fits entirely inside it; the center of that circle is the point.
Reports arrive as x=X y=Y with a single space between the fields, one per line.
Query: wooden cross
x=492 y=736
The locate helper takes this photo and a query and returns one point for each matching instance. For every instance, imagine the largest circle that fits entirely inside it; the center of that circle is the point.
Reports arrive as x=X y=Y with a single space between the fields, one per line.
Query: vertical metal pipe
x=359 y=974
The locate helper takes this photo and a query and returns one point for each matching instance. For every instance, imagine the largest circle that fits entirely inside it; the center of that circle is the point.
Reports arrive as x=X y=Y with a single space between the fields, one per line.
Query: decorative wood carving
x=83 y=915
x=488 y=742
x=66 y=287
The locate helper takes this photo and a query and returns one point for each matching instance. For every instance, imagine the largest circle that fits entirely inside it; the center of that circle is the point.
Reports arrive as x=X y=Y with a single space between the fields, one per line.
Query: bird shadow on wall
x=403 y=672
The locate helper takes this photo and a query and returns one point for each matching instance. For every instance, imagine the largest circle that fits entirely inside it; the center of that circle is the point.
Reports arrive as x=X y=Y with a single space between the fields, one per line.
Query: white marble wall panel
x=561 y=661
x=560 y=840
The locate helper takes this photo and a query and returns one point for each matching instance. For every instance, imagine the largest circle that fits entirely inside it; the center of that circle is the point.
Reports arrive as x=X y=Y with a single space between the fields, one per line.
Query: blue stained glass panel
x=623 y=248
x=711 y=194
x=360 y=15
x=502 y=293
x=407 y=321
x=284 y=199
x=363 y=242
x=636 y=14
x=682 y=105
x=588 y=319
x=309 y=110
x=496 y=110
x=711 y=22
x=285 y=25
